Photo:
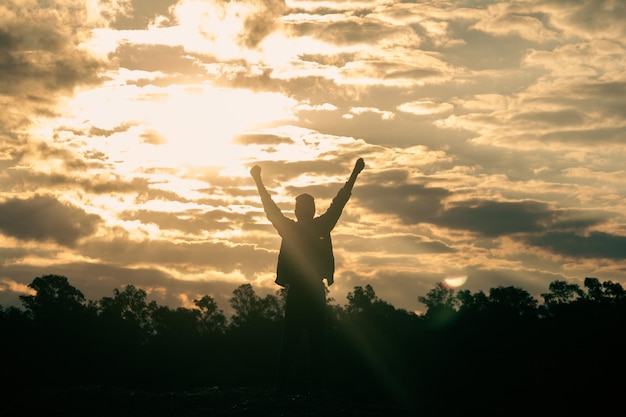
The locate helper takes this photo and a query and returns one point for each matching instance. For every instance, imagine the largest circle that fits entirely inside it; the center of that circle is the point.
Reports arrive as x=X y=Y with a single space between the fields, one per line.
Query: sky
x=493 y=134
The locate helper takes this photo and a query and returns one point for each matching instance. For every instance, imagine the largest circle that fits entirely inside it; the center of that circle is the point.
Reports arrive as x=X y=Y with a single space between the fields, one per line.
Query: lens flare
x=455 y=281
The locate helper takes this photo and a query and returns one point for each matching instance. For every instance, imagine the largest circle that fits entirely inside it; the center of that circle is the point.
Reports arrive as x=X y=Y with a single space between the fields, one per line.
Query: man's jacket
x=306 y=250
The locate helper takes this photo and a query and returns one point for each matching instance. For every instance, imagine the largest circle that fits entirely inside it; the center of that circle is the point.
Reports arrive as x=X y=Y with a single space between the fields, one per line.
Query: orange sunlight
x=173 y=127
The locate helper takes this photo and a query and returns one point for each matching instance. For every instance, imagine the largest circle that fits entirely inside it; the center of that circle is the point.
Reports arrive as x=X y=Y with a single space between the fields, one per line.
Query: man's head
x=305 y=207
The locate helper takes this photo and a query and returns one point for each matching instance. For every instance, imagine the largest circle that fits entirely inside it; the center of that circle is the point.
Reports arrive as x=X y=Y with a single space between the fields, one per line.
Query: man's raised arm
x=271 y=209
x=345 y=192
x=358 y=167
x=255 y=171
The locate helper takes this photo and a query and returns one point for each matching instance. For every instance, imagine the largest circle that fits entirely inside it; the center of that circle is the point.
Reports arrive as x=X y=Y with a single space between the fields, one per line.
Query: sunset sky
x=493 y=133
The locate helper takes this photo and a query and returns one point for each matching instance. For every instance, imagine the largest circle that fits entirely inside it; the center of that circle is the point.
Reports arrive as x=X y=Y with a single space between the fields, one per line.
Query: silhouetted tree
x=511 y=302
x=176 y=324
x=562 y=292
x=174 y=353
x=18 y=345
x=560 y=297
x=55 y=299
x=603 y=292
x=372 y=344
x=62 y=332
x=361 y=300
x=212 y=319
x=250 y=309
x=130 y=306
x=126 y=326
x=253 y=335
x=472 y=304
x=441 y=304
x=494 y=347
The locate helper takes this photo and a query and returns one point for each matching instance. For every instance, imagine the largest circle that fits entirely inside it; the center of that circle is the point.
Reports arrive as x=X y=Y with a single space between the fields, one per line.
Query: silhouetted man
x=305 y=259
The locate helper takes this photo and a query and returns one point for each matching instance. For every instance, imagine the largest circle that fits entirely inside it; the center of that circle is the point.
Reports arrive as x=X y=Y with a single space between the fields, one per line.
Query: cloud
x=506 y=19
x=261 y=21
x=189 y=221
x=43 y=218
x=397 y=244
x=551 y=118
x=42 y=60
x=495 y=218
x=139 y=14
x=165 y=60
x=412 y=203
x=425 y=107
x=214 y=255
x=590 y=19
x=358 y=31
x=585 y=136
x=385 y=115
x=261 y=139
x=40 y=49
x=598 y=245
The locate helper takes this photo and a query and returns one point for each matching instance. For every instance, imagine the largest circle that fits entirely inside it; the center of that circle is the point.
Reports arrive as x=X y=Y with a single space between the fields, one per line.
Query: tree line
x=499 y=346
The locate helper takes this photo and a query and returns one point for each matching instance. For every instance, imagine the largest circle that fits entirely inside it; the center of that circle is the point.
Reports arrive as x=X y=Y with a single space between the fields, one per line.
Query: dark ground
x=209 y=402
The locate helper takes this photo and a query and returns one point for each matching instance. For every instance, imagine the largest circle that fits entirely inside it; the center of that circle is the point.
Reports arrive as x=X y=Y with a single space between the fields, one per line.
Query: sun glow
x=455 y=281
x=199 y=126
x=180 y=125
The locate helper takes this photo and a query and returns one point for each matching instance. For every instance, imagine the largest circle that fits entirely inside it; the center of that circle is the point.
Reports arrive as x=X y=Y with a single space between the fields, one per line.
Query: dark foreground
x=209 y=402
x=94 y=401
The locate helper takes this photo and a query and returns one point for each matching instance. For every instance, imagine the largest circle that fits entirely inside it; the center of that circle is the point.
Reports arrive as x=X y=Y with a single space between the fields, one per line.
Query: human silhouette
x=304 y=261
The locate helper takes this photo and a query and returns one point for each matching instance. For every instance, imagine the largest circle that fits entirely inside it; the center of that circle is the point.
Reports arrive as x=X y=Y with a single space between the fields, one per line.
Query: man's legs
x=305 y=310
x=316 y=353
x=292 y=332
x=316 y=327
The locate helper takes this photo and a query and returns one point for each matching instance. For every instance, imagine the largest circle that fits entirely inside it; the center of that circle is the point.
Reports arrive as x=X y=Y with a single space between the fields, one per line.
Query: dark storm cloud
x=416 y=203
x=412 y=203
x=43 y=218
x=495 y=218
x=590 y=245
x=540 y=224
x=499 y=218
